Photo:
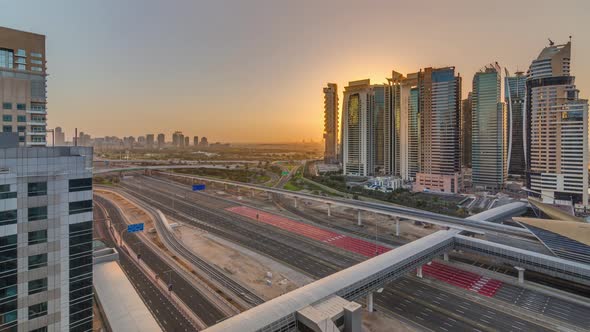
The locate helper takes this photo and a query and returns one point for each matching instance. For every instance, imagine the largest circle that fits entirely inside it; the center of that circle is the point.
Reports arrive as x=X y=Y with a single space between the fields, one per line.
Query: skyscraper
x=466 y=131
x=393 y=126
x=489 y=144
x=331 y=123
x=514 y=96
x=556 y=129
x=46 y=226
x=187 y=141
x=22 y=86
x=357 y=129
x=439 y=95
x=410 y=128
x=196 y=140
x=177 y=139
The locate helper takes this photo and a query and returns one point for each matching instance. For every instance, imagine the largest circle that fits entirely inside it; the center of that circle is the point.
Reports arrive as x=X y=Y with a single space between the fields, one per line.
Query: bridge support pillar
x=446 y=257
x=359 y=218
x=370 y=302
x=296 y=200
x=396 y=226
x=520 y=274
x=419 y=271
x=329 y=210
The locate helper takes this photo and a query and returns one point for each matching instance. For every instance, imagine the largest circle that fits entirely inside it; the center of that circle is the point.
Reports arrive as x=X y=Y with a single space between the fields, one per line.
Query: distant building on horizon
x=149 y=138
x=177 y=139
x=556 y=148
x=204 y=143
x=331 y=123
x=60 y=136
x=514 y=97
x=195 y=141
x=23 y=95
x=161 y=140
x=489 y=141
x=440 y=137
x=187 y=141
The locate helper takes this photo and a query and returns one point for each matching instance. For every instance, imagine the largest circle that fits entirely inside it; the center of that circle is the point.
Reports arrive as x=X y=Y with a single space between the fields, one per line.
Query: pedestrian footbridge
x=326 y=304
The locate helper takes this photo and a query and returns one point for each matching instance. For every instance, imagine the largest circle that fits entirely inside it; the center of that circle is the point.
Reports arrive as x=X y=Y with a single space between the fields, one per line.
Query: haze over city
x=253 y=71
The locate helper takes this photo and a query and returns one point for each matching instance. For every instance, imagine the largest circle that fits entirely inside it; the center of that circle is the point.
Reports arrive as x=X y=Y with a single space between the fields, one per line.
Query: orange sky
x=253 y=71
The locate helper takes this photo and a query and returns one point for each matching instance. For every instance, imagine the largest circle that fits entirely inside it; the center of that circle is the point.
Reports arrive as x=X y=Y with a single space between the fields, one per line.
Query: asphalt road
x=199 y=304
x=251 y=235
x=169 y=318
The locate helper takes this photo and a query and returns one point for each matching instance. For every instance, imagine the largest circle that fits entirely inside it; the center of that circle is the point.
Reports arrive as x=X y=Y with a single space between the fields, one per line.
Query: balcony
x=37 y=111
x=37 y=143
x=36 y=133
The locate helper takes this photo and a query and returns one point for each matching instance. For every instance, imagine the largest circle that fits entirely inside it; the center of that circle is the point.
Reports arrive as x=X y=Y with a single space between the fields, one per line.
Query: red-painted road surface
x=352 y=244
x=464 y=279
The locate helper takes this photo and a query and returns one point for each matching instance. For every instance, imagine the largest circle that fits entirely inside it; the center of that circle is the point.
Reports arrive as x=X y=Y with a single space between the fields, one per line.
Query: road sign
x=134 y=228
x=197 y=187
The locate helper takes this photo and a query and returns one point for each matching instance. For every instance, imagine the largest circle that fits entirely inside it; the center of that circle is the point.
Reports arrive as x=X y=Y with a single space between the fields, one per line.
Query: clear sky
x=253 y=70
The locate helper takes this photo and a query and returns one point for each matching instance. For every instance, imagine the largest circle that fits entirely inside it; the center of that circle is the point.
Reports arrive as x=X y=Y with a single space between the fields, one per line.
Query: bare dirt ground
x=378 y=322
x=240 y=266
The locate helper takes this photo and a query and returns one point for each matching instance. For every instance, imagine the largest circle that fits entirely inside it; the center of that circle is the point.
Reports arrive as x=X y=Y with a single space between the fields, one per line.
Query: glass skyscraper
x=514 y=97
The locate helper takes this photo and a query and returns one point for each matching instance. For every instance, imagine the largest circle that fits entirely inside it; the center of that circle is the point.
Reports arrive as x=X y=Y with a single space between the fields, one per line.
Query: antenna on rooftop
x=551 y=43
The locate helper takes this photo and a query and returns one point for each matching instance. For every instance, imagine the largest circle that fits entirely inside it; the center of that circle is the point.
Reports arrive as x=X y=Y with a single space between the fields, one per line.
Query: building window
x=5 y=192
x=7 y=106
x=37 y=261
x=21 y=129
x=21 y=52
x=37 y=213
x=8 y=312
x=7 y=118
x=36 y=62
x=36 y=69
x=80 y=207
x=36 y=55
x=37 y=189
x=38 y=310
x=80 y=184
x=6 y=58
x=21 y=107
x=21 y=118
x=8 y=217
x=36 y=237
x=21 y=67
x=37 y=286
x=21 y=138
x=41 y=329
x=7 y=129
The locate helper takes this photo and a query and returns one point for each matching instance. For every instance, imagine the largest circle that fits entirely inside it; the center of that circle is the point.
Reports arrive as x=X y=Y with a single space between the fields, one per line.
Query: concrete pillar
x=353 y=317
x=520 y=274
x=329 y=210
x=397 y=227
x=370 y=302
x=359 y=220
x=419 y=271
x=295 y=201
x=446 y=257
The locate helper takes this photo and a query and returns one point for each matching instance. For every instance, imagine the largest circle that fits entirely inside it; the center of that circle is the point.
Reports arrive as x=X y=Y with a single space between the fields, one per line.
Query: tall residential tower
x=514 y=97
x=22 y=86
x=331 y=123
x=488 y=130
x=556 y=129
x=439 y=95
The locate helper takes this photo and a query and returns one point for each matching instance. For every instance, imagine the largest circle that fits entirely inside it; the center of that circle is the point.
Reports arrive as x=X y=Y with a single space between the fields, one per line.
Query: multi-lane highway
x=313 y=259
x=191 y=296
x=169 y=318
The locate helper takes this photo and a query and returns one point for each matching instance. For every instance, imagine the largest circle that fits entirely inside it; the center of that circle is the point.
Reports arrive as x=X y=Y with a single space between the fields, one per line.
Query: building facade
x=410 y=128
x=556 y=118
x=466 y=131
x=331 y=123
x=149 y=141
x=439 y=102
x=489 y=143
x=46 y=239
x=161 y=140
x=60 y=136
x=23 y=86
x=514 y=97
x=196 y=140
